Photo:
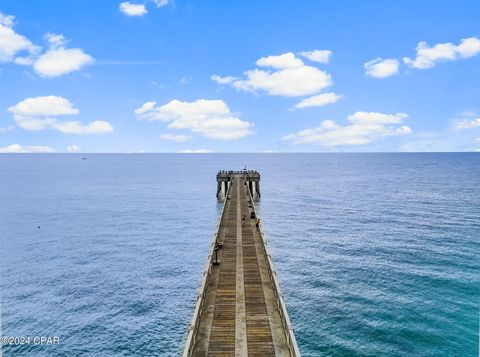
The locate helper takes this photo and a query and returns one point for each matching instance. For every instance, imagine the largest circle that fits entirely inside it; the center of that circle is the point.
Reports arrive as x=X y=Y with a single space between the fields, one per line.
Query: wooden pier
x=240 y=310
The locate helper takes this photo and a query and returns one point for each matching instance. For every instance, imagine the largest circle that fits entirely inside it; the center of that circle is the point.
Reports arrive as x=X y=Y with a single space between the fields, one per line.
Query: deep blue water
x=377 y=254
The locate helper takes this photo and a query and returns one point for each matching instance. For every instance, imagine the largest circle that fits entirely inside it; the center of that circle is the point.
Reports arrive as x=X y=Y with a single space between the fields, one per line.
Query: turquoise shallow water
x=377 y=254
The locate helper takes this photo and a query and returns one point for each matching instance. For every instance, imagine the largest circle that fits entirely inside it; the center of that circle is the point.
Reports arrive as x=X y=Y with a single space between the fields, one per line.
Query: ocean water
x=377 y=254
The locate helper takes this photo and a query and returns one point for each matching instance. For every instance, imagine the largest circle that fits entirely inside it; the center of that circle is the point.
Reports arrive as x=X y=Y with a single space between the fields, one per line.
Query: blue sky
x=245 y=76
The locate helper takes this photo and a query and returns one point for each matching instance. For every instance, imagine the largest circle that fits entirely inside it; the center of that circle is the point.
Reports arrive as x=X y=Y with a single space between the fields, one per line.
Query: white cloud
x=319 y=100
x=288 y=77
x=376 y=118
x=223 y=80
x=196 y=151
x=73 y=148
x=55 y=40
x=6 y=20
x=146 y=107
x=365 y=128
x=44 y=106
x=161 y=3
x=287 y=60
x=175 y=138
x=58 y=61
x=130 y=9
x=76 y=127
x=467 y=123
x=12 y=43
x=38 y=113
x=427 y=57
x=320 y=56
x=290 y=82
x=24 y=61
x=209 y=118
x=16 y=149
x=380 y=68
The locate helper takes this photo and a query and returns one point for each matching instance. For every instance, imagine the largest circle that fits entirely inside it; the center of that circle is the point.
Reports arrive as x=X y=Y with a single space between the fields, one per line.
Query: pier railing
x=287 y=326
x=202 y=292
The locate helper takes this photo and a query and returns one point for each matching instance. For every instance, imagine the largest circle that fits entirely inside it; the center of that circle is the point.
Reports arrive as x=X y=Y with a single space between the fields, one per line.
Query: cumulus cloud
x=73 y=148
x=59 y=61
x=54 y=62
x=12 y=43
x=467 y=123
x=209 y=118
x=427 y=57
x=287 y=60
x=282 y=75
x=130 y=9
x=38 y=113
x=175 y=138
x=19 y=149
x=44 y=106
x=196 y=151
x=320 y=56
x=380 y=68
x=319 y=100
x=365 y=128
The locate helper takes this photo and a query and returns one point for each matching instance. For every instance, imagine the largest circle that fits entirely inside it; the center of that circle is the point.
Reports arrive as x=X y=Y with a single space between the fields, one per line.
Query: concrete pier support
x=250 y=177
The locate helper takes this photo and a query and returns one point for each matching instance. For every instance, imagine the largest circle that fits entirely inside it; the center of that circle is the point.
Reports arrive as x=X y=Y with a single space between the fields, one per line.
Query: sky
x=239 y=76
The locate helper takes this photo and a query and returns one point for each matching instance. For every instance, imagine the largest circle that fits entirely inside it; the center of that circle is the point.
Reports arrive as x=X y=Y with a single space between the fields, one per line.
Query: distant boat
x=84 y=158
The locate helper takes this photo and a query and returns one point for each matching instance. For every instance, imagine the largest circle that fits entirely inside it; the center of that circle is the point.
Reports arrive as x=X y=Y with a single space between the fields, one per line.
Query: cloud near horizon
x=38 y=113
x=180 y=138
x=209 y=118
x=196 y=151
x=365 y=128
x=73 y=148
x=19 y=149
x=467 y=123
